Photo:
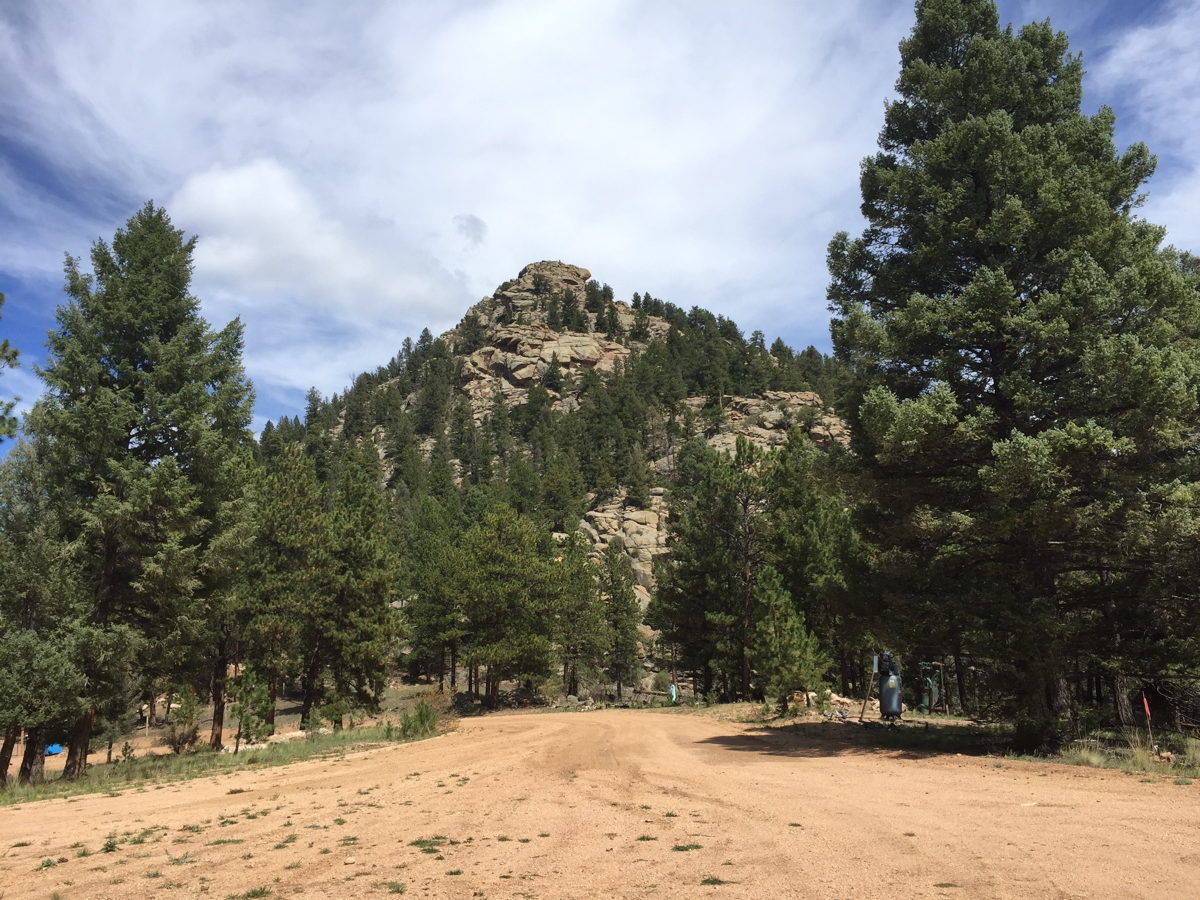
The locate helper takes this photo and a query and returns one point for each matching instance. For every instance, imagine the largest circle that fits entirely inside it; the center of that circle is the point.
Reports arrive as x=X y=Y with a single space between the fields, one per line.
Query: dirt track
x=553 y=805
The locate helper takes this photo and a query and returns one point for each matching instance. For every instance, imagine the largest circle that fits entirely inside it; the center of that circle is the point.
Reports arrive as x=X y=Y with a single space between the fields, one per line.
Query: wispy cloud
x=356 y=172
x=1154 y=69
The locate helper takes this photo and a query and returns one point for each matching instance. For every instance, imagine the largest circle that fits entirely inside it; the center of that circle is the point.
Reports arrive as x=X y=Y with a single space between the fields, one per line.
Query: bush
x=1036 y=736
x=422 y=722
x=183 y=731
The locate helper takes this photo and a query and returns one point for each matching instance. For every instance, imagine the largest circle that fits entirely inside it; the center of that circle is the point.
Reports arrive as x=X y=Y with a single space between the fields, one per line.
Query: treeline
x=1016 y=353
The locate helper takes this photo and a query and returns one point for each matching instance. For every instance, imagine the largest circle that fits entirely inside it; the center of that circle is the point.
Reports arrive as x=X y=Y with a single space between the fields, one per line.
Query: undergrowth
x=114 y=777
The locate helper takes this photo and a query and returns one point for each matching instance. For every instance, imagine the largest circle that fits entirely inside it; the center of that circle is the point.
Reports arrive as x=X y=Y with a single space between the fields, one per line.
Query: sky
x=355 y=172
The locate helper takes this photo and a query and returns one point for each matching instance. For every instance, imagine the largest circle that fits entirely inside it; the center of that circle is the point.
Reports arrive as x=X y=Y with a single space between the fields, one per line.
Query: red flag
x=1146 y=703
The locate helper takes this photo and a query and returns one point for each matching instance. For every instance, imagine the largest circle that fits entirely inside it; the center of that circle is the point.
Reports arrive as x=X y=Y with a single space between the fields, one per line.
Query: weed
x=647 y=837
x=339 y=821
x=22 y=844
x=671 y=815
x=219 y=841
x=236 y=791
x=294 y=865
x=82 y=852
x=713 y=880
x=794 y=825
x=543 y=834
x=945 y=884
x=1083 y=755
x=910 y=834
x=504 y=837
x=456 y=872
x=253 y=892
x=290 y=839
x=47 y=864
x=429 y=843
x=395 y=887
x=683 y=848
x=1182 y=780
x=154 y=874
x=110 y=843
x=180 y=860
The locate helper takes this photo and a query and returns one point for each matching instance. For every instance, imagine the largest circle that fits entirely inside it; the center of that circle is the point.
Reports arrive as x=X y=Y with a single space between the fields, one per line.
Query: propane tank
x=890 y=687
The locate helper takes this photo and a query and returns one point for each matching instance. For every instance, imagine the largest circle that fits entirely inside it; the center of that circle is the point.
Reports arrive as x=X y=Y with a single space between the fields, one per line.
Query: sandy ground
x=603 y=804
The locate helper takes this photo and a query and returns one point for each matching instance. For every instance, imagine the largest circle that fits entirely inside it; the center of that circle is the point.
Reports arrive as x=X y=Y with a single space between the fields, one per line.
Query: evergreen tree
x=143 y=402
x=510 y=589
x=290 y=578
x=787 y=657
x=622 y=614
x=580 y=632
x=356 y=624
x=1026 y=359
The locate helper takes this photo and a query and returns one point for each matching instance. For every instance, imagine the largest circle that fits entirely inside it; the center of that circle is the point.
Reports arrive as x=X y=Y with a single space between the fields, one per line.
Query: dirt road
x=620 y=804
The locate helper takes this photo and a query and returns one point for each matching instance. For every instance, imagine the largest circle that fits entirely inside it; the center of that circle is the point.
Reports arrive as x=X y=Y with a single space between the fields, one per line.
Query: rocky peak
x=540 y=279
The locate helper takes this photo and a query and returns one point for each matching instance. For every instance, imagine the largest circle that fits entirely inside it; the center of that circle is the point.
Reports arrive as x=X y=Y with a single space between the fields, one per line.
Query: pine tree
x=787 y=656
x=290 y=577
x=143 y=402
x=356 y=625
x=621 y=613
x=580 y=633
x=1027 y=353
x=510 y=590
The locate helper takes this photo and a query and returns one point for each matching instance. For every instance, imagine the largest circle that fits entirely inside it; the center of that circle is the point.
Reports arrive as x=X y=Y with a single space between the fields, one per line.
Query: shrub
x=422 y=722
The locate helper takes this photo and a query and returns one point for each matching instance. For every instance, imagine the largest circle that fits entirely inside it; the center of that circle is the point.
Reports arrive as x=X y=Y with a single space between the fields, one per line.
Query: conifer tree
x=143 y=400
x=621 y=613
x=787 y=656
x=1025 y=354
x=289 y=577
x=356 y=624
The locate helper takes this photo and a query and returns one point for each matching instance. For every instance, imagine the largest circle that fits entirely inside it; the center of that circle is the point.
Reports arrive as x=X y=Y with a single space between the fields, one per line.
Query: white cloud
x=339 y=163
x=1154 y=69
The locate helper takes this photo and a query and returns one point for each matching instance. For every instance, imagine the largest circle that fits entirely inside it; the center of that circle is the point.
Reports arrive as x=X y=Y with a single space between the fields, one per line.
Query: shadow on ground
x=918 y=740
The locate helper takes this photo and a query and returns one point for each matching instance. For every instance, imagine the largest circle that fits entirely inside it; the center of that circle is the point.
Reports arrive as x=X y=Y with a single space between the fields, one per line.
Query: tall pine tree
x=1025 y=353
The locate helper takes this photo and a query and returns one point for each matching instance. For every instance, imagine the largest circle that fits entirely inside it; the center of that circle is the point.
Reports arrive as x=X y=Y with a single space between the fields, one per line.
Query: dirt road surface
x=619 y=804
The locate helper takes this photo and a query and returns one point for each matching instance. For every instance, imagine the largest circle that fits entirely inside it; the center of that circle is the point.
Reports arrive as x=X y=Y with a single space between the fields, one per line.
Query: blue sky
x=358 y=171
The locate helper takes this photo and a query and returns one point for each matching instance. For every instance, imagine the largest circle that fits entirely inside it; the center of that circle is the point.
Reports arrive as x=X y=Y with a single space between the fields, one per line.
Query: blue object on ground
x=54 y=750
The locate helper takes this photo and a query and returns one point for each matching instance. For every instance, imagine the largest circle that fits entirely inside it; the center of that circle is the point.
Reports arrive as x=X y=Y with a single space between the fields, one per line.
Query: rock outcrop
x=642 y=531
x=518 y=356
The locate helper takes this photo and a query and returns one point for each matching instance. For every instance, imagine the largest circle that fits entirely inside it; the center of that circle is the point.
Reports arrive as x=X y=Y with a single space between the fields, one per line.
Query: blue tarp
x=54 y=750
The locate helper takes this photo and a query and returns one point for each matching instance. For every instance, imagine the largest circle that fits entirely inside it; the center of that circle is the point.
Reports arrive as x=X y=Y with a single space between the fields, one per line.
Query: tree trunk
x=960 y=678
x=6 y=752
x=309 y=686
x=272 y=697
x=33 y=763
x=220 y=670
x=453 y=666
x=747 y=625
x=1121 y=701
x=77 y=749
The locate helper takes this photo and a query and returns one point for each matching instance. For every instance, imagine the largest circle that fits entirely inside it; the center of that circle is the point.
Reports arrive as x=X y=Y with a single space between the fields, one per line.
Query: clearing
x=619 y=803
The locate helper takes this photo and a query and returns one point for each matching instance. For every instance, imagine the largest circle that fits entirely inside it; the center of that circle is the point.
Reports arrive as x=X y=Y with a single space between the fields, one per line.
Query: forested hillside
x=995 y=474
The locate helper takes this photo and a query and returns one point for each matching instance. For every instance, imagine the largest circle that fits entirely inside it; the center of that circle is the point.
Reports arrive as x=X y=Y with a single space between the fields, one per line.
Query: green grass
x=429 y=843
x=107 y=777
x=647 y=837
x=683 y=848
x=253 y=892
x=395 y=887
